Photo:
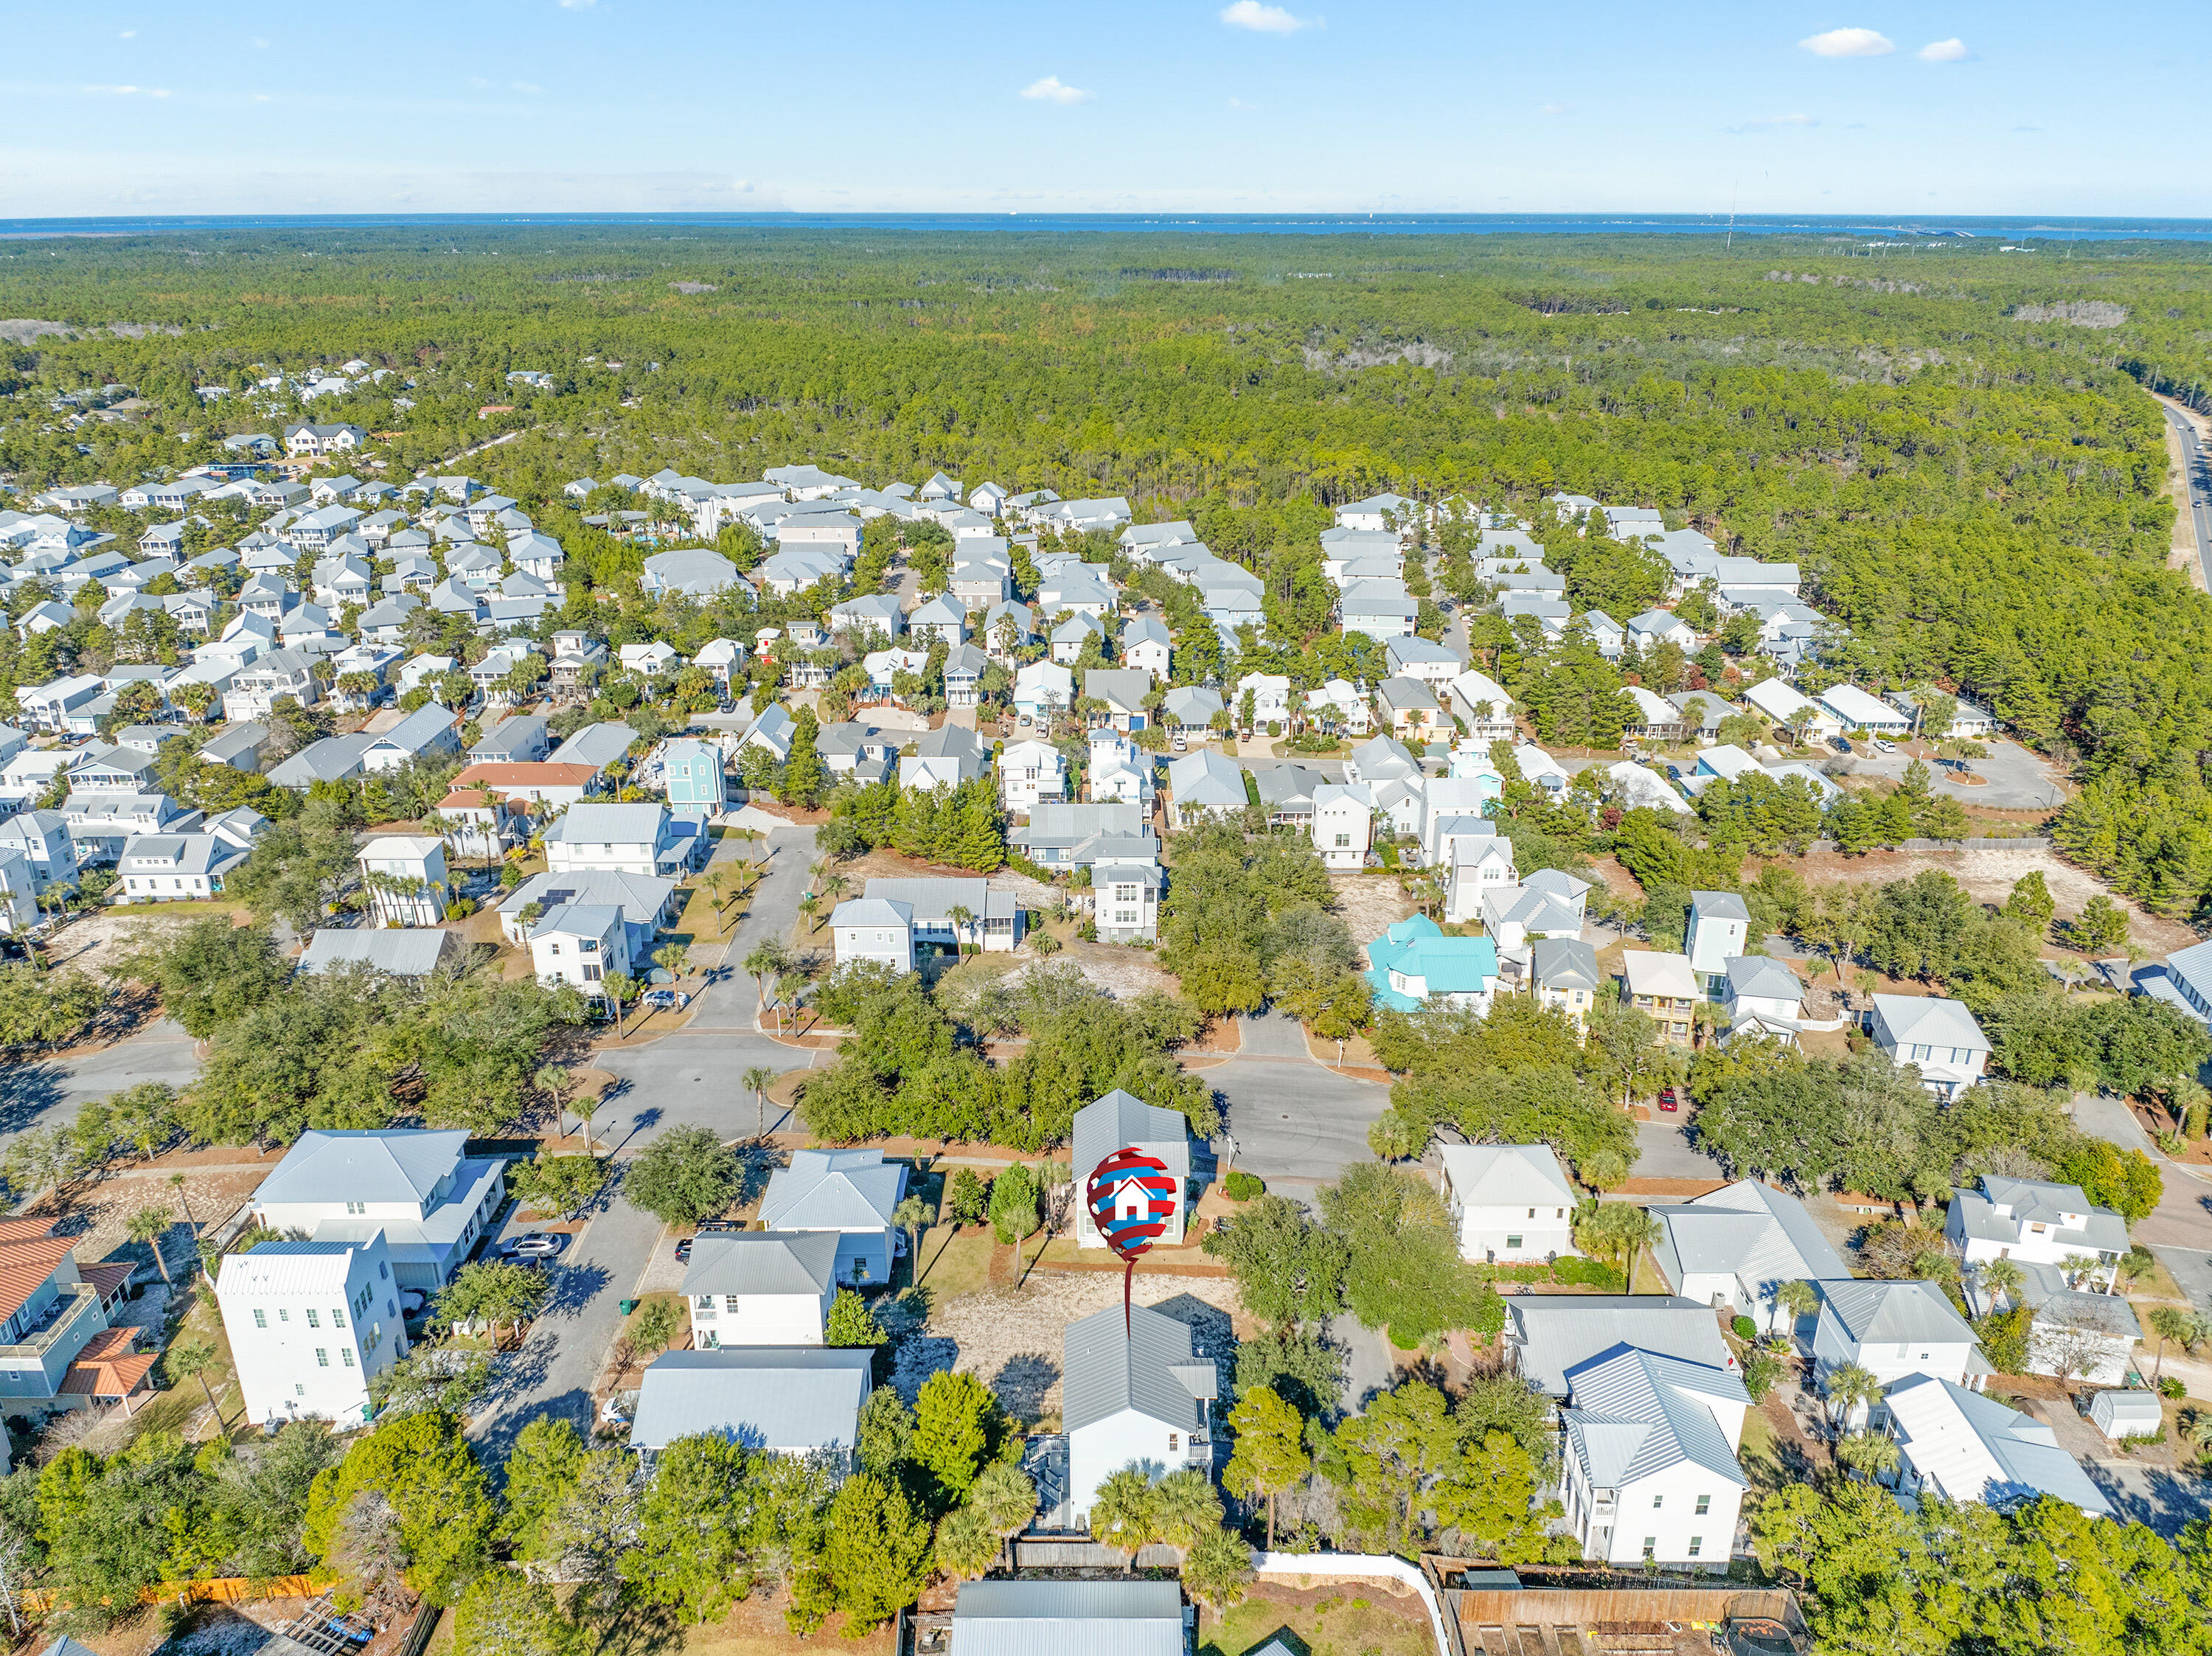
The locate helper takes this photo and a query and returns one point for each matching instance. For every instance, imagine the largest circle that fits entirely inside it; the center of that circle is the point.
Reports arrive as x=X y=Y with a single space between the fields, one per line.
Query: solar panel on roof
x=555 y=899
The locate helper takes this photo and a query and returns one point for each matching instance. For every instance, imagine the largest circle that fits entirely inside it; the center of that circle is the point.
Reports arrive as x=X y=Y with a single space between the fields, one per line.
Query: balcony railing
x=74 y=1302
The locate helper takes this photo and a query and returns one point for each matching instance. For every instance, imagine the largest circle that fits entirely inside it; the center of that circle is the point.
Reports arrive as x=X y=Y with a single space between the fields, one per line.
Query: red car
x=1669 y=1099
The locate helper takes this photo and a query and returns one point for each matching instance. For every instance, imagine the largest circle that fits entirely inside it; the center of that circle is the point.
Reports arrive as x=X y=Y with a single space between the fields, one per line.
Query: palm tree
x=2000 y=1277
x=1121 y=1514
x=757 y=1081
x=810 y=906
x=177 y=1182
x=2183 y=1328
x=1848 y=1386
x=554 y=1081
x=770 y=959
x=1869 y=1454
x=149 y=1225
x=1184 y=1509
x=961 y=914
x=620 y=987
x=190 y=1360
x=1799 y=1298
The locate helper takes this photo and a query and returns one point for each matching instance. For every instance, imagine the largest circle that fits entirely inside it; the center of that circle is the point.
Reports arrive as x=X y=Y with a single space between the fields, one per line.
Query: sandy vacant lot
x=1011 y=1339
x=1371 y=903
x=1989 y=876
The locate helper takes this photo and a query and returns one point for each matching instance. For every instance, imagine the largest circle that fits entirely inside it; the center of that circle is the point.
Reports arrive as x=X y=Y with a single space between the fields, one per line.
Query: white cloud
x=1050 y=90
x=1765 y=124
x=524 y=86
x=258 y=44
x=1554 y=109
x=1849 y=43
x=1953 y=51
x=128 y=34
x=578 y=5
x=1264 y=19
x=1238 y=103
x=128 y=91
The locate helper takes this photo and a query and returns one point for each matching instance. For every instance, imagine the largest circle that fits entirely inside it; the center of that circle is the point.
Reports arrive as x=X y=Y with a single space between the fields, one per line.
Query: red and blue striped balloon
x=1132 y=1197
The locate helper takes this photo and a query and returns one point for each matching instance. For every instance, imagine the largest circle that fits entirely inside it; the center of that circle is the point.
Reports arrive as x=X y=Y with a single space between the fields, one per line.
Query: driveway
x=2150 y=1496
x=1667 y=1153
x=2179 y=1230
x=553 y=1372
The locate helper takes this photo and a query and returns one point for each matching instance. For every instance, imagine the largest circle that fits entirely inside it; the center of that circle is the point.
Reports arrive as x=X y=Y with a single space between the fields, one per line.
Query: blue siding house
x=694 y=773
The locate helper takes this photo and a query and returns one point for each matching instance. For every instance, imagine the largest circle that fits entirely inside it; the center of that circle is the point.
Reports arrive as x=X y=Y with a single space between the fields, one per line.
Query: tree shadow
x=1021 y=1384
x=27 y=1091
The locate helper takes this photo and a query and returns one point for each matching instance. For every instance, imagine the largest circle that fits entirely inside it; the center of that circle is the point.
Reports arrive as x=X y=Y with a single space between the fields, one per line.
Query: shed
x=2119 y=1414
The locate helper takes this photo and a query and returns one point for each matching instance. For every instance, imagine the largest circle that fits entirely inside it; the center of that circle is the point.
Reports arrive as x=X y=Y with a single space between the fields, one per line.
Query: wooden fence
x=223 y=1589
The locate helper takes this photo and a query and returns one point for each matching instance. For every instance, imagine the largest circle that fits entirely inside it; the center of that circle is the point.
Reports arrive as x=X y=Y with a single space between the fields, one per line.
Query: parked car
x=1669 y=1099
x=539 y=1245
x=1839 y=744
x=1674 y=772
x=1883 y=744
x=684 y=1250
x=670 y=1000
x=413 y=1303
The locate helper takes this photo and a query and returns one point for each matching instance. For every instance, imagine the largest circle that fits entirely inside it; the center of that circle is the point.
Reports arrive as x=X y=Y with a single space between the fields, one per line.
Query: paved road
x=49 y=1092
x=2179 y=1231
x=1295 y=1119
x=2197 y=473
x=2015 y=778
x=1668 y=1153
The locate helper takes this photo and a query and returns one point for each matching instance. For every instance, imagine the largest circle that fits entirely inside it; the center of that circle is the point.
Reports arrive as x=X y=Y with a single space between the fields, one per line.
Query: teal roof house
x=1414 y=964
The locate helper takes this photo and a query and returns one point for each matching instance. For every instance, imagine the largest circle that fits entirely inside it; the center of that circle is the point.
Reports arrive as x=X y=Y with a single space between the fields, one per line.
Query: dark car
x=684 y=1250
x=1839 y=744
x=1669 y=1099
x=1674 y=772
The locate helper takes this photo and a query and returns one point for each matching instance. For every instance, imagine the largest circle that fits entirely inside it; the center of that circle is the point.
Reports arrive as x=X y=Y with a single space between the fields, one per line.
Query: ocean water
x=2026 y=229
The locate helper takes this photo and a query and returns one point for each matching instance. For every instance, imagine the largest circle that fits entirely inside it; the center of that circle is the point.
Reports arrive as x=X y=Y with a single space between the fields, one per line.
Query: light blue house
x=694 y=774
x=1414 y=964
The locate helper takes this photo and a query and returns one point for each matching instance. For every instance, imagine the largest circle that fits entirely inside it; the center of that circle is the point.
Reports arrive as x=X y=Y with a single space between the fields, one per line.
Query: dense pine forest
x=1958 y=445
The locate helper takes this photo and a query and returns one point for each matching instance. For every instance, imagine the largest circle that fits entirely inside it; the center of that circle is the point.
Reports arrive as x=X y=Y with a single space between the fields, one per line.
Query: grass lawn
x=1756 y=1452
x=172 y=1410
x=955 y=1261
x=1356 y=1620
x=700 y=922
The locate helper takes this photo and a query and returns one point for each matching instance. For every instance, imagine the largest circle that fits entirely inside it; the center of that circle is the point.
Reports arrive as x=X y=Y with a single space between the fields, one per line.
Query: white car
x=1883 y=745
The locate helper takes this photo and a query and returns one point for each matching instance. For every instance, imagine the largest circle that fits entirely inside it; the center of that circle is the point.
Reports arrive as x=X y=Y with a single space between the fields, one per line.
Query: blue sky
x=1143 y=105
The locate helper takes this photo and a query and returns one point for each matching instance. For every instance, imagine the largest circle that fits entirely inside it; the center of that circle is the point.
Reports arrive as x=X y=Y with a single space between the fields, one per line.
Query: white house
x=1271 y=697
x=872 y=928
x=1772 y=699
x=405 y=873
x=1894 y=1329
x=799 y=1402
x=1764 y=991
x=1119 y=772
x=1030 y=771
x=1121 y=1121
x=1547 y=904
x=415 y=1186
x=1857 y=711
x=1481 y=704
x=580 y=944
x=1957 y=1444
x=632 y=839
x=2036 y=1222
x=1136 y=1394
x=1718 y=924
x=179 y=867
x=1001 y=1617
x=1126 y=901
x=1478 y=860
x=1514 y=1201
x=308 y=1323
x=1735 y=1247
x=1940 y=1036
x=1650 y=1468
x=851 y=1192
x=760 y=1288
x=1343 y=823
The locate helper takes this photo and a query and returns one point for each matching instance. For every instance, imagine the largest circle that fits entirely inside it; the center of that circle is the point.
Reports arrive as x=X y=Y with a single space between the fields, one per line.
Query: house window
x=322 y=1358
x=337 y=1317
x=282 y=1315
x=300 y=1390
x=1532 y=1213
x=1705 y=1505
x=357 y=1207
x=1650 y=1545
x=1696 y=1545
x=1512 y=1241
x=860 y=1271
x=260 y=1318
x=1175 y=1441
x=345 y=1355
x=314 y=1320
x=1343 y=840
x=1657 y=1502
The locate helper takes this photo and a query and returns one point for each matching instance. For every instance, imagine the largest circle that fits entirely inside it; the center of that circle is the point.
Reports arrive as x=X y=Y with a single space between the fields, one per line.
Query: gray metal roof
x=1752 y=1231
x=595 y=744
x=1903 y=1312
x=1635 y=1414
x=764 y=1397
x=763 y=1262
x=1121 y=1119
x=1555 y=1334
x=1721 y=904
x=1065 y=1619
x=404 y=952
x=1504 y=1175
x=935 y=899
x=1763 y=979
x=402 y=1164
x=833 y=1189
x=1930 y=1021
x=1108 y=1372
x=1563 y=962
x=588 y=823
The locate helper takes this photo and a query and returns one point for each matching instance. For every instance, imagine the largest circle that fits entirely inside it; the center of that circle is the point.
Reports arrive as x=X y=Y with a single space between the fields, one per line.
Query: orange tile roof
x=108 y=1276
x=108 y=1367
x=25 y=1266
x=15 y=1230
x=465 y=798
x=540 y=773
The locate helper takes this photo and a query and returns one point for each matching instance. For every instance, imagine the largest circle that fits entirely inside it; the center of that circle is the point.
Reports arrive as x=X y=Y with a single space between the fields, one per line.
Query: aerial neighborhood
x=612 y=990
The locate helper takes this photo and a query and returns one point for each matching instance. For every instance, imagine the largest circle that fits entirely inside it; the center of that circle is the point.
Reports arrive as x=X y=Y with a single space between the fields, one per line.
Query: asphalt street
x=2179 y=1230
x=49 y=1092
x=2197 y=472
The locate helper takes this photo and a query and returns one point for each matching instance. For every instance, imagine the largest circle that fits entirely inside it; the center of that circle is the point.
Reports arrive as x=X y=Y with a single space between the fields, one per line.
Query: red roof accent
x=25 y=1266
x=109 y=1365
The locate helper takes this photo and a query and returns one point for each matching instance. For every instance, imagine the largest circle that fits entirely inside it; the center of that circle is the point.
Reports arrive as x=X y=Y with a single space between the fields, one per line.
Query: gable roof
x=833 y=1189
x=1930 y=1020
x=762 y=1397
x=1747 y=1230
x=1106 y=1125
x=402 y=1164
x=1150 y=1368
x=1506 y=1175
x=1556 y=1336
x=1066 y=1617
x=763 y=1262
x=1635 y=1413
x=1902 y=1313
x=1976 y=1449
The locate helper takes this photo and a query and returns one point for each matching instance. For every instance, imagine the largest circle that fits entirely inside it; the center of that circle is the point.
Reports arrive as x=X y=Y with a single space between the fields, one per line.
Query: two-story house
x=693 y=775
x=1343 y=823
x=1121 y=1121
x=1893 y=1329
x=580 y=944
x=1512 y=1202
x=54 y=1314
x=797 y=1402
x=309 y=1323
x=1650 y=1472
x=430 y=1199
x=1414 y=964
x=634 y=839
x=760 y=1288
x=2036 y=1222
x=1663 y=988
x=1735 y=1247
x=1030 y=772
x=1139 y=1393
x=405 y=873
x=852 y=1193
x=1719 y=926
x=1938 y=1037
x=257 y=686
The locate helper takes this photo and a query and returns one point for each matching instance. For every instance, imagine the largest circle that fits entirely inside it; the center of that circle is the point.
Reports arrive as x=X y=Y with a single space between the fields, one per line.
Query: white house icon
x=1131 y=1199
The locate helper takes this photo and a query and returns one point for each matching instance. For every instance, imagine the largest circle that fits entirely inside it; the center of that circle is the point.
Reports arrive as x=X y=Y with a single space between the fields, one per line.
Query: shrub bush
x=1243 y=1186
x=1589 y=1273
x=2171 y=1387
x=1744 y=1329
